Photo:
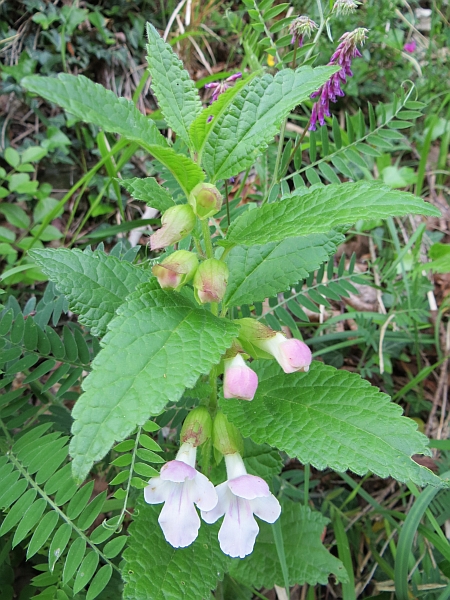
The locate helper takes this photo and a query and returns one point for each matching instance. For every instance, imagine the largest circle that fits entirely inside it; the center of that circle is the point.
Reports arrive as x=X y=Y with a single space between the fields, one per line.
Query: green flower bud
x=197 y=427
x=227 y=438
x=206 y=200
x=176 y=270
x=210 y=281
x=177 y=222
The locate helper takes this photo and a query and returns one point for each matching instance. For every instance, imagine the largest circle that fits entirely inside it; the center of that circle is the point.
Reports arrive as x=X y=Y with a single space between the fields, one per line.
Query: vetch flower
x=302 y=28
x=345 y=7
x=345 y=52
x=210 y=281
x=180 y=486
x=219 y=87
x=239 y=381
x=239 y=498
x=206 y=200
x=410 y=46
x=177 y=222
x=176 y=270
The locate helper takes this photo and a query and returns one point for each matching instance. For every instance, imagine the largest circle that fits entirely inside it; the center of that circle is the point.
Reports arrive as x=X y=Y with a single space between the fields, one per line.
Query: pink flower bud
x=291 y=354
x=206 y=200
x=210 y=281
x=177 y=222
x=176 y=270
x=239 y=381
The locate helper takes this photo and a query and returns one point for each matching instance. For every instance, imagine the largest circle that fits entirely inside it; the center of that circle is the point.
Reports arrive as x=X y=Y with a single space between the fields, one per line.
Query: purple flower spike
x=219 y=87
x=331 y=90
x=302 y=28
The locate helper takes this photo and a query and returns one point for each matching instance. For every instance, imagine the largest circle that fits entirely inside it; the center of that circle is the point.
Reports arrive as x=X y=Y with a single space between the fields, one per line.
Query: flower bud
x=197 y=427
x=291 y=354
x=239 y=381
x=177 y=222
x=210 y=281
x=176 y=270
x=345 y=7
x=227 y=439
x=301 y=28
x=206 y=200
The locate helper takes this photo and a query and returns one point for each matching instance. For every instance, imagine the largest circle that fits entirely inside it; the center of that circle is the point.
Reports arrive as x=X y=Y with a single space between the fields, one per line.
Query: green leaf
x=58 y=545
x=156 y=571
x=260 y=272
x=42 y=532
x=92 y=103
x=99 y=582
x=86 y=571
x=239 y=134
x=177 y=95
x=320 y=208
x=308 y=560
x=91 y=512
x=95 y=284
x=332 y=418
x=17 y=511
x=201 y=128
x=74 y=558
x=149 y=191
x=115 y=546
x=262 y=460
x=158 y=344
x=79 y=501
x=12 y=157
x=29 y=520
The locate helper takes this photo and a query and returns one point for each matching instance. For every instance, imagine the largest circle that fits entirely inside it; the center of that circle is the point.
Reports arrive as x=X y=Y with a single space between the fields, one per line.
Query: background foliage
x=376 y=307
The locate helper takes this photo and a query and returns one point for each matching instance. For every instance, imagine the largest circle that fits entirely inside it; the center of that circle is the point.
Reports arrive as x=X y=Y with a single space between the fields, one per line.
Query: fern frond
x=42 y=501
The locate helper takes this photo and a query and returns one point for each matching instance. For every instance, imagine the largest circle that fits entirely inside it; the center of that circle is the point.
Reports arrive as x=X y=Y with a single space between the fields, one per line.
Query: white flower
x=241 y=497
x=180 y=486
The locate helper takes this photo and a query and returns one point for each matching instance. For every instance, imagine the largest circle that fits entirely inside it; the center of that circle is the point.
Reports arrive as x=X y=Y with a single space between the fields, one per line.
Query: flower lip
x=249 y=487
x=177 y=471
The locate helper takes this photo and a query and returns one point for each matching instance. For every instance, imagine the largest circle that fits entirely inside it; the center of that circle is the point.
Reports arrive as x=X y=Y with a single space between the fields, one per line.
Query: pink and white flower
x=291 y=354
x=239 y=381
x=241 y=497
x=180 y=486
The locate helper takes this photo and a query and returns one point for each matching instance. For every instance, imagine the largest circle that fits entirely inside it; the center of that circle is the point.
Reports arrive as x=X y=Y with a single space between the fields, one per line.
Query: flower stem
x=277 y=163
x=207 y=239
x=213 y=395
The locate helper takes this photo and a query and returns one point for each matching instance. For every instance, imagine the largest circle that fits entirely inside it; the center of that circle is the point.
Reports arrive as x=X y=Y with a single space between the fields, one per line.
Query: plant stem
x=227 y=202
x=125 y=500
x=213 y=395
x=277 y=163
x=207 y=239
x=306 y=485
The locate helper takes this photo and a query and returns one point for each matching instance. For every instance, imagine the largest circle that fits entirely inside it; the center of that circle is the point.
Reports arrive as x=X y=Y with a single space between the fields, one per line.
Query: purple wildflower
x=301 y=28
x=219 y=87
x=410 y=46
x=343 y=56
x=345 y=7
